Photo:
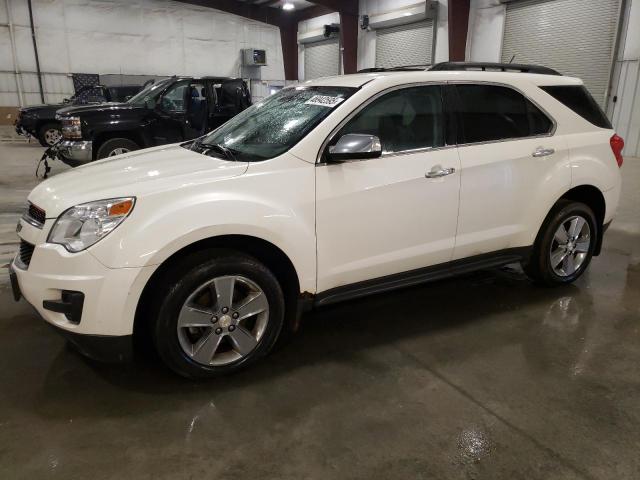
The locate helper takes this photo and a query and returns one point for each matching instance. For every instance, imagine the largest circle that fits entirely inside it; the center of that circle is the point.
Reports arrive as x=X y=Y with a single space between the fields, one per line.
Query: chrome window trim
x=552 y=132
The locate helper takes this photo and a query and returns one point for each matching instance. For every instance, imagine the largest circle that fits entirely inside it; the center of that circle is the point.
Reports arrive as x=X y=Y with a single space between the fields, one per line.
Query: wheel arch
x=101 y=137
x=266 y=252
x=592 y=197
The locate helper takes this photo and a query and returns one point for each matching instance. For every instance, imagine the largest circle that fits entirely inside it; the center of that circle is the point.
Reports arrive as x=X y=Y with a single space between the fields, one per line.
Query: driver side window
x=173 y=99
x=406 y=119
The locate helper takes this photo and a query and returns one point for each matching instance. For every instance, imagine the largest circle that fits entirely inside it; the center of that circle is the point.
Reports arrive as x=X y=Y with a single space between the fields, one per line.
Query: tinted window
x=578 y=99
x=489 y=112
x=404 y=119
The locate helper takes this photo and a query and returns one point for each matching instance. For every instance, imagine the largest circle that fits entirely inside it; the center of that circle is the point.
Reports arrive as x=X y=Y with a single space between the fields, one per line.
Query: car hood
x=140 y=173
x=97 y=107
x=44 y=106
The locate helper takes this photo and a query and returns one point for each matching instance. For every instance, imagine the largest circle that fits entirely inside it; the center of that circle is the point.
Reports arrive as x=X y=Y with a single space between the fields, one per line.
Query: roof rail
x=402 y=68
x=503 y=67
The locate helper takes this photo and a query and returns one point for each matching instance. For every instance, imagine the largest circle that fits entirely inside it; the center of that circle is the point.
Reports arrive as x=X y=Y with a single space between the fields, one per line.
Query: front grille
x=37 y=214
x=25 y=253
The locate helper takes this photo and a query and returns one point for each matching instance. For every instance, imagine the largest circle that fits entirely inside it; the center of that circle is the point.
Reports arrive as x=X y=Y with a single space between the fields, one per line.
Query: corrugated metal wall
x=410 y=44
x=576 y=37
x=321 y=59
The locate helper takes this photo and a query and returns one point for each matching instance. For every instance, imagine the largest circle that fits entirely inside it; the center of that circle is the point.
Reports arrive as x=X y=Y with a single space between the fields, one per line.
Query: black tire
x=539 y=267
x=108 y=148
x=191 y=273
x=44 y=134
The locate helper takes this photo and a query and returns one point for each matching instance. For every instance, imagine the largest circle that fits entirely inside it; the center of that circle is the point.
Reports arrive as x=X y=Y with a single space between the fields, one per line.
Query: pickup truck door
x=170 y=114
x=395 y=213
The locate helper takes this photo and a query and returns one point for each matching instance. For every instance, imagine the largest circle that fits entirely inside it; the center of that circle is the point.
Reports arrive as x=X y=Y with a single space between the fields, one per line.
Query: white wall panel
x=484 y=35
x=137 y=37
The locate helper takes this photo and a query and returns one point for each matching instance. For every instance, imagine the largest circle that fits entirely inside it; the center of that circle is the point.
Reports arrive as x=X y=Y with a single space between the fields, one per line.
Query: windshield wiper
x=227 y=152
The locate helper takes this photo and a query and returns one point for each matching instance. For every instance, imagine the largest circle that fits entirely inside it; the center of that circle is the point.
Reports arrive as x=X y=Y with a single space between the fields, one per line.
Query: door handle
x=438 y=171
x=543 y=152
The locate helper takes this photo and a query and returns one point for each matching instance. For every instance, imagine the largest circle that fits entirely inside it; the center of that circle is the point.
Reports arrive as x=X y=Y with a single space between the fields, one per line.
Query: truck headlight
x=71 y=127
x=83 y=225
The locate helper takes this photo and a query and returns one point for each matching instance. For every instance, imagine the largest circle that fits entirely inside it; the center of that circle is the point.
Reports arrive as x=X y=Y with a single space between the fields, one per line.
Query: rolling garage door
x=572 y=36
x=410 y=44
x=321 y=59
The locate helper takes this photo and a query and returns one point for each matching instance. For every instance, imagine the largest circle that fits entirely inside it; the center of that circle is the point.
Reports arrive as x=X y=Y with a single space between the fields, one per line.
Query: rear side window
x=578 y=99
x=490 y=112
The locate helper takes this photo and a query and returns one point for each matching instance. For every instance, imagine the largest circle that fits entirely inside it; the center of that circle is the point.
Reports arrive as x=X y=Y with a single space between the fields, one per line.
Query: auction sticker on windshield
x=324 y=101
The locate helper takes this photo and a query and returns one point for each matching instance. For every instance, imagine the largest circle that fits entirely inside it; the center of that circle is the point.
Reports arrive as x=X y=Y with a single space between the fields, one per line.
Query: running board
x=421 y=275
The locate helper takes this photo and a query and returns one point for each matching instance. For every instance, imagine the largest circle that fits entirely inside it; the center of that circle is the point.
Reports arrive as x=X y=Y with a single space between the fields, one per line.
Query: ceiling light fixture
x=288 y=6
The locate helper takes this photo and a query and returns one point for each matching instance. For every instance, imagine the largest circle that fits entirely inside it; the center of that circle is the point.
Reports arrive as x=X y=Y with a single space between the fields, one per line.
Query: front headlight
x=83 y=225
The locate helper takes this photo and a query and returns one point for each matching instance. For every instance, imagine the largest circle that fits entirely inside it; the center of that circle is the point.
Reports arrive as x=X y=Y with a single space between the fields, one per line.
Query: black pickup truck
x=40 y=122
x=169 y=111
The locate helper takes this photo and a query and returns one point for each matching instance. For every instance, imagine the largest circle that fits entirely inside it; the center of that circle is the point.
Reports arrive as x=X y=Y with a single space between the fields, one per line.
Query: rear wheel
x=565 y=244
x=116 y=146
x=49 y=134
x=221 y=311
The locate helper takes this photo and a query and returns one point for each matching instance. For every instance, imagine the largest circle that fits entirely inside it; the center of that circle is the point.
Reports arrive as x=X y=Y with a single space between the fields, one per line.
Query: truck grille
x=37 y=214
x=25 y=253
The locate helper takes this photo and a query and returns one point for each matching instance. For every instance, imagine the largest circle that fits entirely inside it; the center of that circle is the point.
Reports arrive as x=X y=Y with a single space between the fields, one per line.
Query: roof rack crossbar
x=503 y=67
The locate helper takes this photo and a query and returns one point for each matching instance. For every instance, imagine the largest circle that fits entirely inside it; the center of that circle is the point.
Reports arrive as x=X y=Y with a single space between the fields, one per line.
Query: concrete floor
x=484 y=376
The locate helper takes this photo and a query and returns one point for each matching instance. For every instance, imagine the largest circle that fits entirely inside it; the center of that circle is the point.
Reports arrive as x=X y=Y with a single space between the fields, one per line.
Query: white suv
x=326 y=191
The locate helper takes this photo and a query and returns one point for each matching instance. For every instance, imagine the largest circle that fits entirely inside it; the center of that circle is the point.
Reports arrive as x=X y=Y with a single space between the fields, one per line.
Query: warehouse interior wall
x=310 y=25
x=129 y=37
x=486 y=26
x=484 y=44
x=367 y=39
x=625 y=110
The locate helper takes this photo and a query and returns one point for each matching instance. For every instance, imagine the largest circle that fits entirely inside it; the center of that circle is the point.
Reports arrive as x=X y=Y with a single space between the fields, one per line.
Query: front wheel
x=116 y=146
x=221 y=312
x=565 y=244
x=49 y=134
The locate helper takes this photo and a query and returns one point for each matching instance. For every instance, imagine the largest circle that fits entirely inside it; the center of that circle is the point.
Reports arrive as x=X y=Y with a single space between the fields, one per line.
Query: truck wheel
x=565 y=244
x=49 y=134
x=116 y=146
x=219 y=311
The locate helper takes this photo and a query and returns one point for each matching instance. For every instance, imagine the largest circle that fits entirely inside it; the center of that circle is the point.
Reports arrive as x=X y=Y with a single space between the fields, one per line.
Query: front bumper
x=75 y=153
x=23 y=129
x=54 y=279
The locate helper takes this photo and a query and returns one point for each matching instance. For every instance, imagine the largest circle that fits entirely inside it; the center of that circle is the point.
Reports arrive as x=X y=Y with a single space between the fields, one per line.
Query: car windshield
x=271 y=127
x=148 y=96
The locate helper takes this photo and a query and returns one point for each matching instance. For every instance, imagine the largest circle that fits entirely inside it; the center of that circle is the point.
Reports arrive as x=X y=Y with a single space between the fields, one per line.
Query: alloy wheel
x=223 y=320
x=118 y=151
x=570 y=246
x=52 y=136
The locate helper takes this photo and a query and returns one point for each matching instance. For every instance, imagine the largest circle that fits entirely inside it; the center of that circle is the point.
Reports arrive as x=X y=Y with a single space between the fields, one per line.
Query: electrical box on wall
x=254 y=57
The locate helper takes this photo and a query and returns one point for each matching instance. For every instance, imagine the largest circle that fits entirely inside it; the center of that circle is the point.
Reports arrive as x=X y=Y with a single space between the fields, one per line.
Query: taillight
x=617 y=144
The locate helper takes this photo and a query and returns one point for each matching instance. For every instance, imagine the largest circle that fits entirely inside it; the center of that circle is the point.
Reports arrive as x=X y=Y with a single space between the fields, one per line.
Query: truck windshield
x=148 y=96
x=271 y=127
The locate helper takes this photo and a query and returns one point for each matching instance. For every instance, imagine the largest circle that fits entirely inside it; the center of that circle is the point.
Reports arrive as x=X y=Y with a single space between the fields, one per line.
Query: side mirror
x=355 y=146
